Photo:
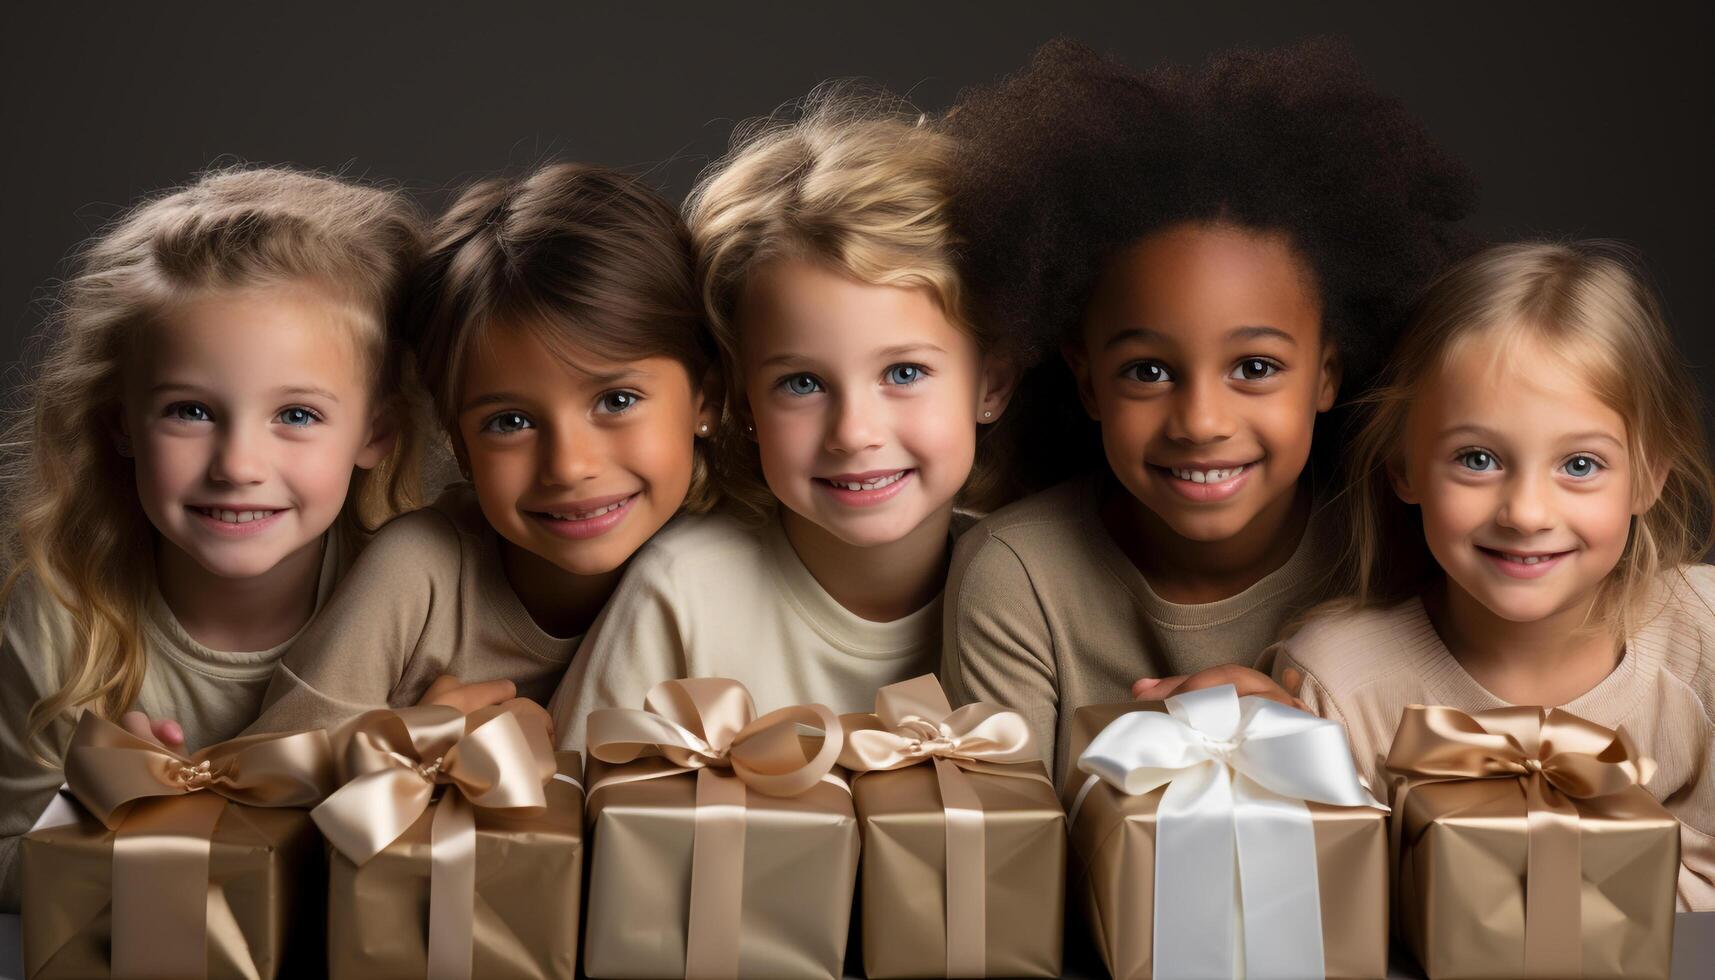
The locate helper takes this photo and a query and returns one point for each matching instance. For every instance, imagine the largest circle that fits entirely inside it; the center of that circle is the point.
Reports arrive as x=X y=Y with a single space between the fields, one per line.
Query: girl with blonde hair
x=1531 y=496
x=217 y=423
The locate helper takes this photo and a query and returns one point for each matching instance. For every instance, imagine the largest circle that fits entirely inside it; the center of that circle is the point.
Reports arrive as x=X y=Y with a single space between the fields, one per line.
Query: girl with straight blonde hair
x=217 y=423
x=1531 y=498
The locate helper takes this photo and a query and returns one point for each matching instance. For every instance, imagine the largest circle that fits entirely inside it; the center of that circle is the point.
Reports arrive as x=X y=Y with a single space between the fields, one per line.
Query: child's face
x=865 y=399
x=246 y=412
x=1523 y=478
x=579 y=466
x=1202 y=358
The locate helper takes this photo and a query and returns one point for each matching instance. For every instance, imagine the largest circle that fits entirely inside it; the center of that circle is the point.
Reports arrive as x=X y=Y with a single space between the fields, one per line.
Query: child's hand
x=166 y=733
x=1247 y=681
x=453 y=693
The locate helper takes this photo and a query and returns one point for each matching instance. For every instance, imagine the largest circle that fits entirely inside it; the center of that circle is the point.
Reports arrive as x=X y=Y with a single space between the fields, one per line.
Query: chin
x=1205 y=527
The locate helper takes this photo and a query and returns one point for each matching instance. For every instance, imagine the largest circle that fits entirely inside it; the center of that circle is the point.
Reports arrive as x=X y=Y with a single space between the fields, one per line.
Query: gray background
x=1580 y=118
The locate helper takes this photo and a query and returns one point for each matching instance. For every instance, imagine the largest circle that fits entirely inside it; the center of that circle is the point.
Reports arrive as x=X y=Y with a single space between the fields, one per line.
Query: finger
x=470 y=697
x=531 y=713
x=169 y=733
x=137 y=723
x=441 y=685
x=1293 y=680
x=1156 y=688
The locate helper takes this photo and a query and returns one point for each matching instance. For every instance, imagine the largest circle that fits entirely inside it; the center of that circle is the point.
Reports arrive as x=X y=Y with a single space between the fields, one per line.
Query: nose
x=1524 y=505
x=1200 y=414
x=571 y=454
x=855 y=425
x=238 y=459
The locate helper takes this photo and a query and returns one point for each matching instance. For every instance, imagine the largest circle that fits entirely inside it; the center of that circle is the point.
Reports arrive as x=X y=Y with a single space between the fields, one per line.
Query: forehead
x=1190 y=285
x=529 y=354
x=259 y=338
x=802 y=307
x=1514 y=384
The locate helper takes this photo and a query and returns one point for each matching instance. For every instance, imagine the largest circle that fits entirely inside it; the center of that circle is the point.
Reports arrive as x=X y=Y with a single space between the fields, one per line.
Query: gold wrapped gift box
x=1534 y=863
x=1114 y=863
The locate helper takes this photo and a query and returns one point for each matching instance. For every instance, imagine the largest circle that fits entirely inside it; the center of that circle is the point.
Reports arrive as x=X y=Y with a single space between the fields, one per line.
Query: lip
x=588 y=527
x=245 y=530
x=1206 y=493
x=864 y=498
x=1514 y=569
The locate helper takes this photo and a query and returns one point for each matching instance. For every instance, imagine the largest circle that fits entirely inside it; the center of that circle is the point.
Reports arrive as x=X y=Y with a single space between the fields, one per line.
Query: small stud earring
x=703 y=429
x=749 y=429
x=988 y=415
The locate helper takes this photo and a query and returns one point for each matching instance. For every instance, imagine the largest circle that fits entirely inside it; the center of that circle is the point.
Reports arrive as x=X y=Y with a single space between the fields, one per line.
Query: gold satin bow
x=163 y=808
x=395 y=761
x=914 y=724
x=1557 y=757
x=708 y=725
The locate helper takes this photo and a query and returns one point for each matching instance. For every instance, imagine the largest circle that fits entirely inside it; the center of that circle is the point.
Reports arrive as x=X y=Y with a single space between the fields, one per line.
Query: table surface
x=1693 y=951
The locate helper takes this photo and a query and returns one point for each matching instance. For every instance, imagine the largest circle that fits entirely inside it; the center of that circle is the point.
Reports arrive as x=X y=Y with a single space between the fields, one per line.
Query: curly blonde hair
x=1589 y=304
x=854 y=180
x=75 y=525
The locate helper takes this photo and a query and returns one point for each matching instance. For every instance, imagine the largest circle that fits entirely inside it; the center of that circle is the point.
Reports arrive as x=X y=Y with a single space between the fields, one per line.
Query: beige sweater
x=1046 y=614
x=1363 y=668
x=213 y=694
x=427 y=597
x=710 y=597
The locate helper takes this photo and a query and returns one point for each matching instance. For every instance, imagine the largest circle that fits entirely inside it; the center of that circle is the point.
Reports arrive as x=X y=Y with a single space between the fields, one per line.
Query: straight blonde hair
x=75 y=525
x=1589 y=305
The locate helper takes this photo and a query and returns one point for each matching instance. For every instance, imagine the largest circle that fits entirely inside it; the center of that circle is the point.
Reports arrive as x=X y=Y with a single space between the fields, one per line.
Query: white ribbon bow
x=1235 y=852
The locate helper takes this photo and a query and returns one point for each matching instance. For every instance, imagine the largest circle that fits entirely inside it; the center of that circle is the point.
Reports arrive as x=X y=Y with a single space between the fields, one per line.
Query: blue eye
x=188 y=412
x=1581 y=467
x=615 y=402
x=298 y=417
x=1148 y=372
x=904 y=374
x=801 y=384
x=1254 y=369
x=1478 y=461
x=505 y=422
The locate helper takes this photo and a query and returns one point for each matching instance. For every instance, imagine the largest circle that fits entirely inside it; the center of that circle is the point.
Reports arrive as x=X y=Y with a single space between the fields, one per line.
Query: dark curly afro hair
x=1078 y=156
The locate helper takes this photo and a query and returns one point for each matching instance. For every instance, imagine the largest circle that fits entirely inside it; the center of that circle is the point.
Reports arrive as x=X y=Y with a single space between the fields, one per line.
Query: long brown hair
x=76 y=526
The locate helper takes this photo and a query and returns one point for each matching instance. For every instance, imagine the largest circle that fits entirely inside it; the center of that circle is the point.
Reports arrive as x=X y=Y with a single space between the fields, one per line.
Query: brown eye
x=1148 y=372
x=1254 y=369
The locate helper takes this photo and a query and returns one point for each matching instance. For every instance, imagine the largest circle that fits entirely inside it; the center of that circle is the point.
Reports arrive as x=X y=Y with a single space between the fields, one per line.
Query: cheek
x=1603 y=520
x=660 y=455
x=317 y=475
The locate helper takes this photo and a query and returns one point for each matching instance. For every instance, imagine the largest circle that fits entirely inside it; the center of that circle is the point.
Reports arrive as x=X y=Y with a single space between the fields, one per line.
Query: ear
x=1076 y=359
x=706 y=403
x=999 y=377
x=383 y=437
x=1401 y=481
x=1653 y=491
x=1328 y=382
x=120 y=432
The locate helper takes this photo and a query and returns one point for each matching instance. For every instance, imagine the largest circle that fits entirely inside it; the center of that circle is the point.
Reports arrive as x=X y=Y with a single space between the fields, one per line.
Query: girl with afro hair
x=1217 y=255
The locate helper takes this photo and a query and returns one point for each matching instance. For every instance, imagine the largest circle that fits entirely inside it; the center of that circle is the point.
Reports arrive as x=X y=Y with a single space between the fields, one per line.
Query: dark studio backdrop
x=1579 y=118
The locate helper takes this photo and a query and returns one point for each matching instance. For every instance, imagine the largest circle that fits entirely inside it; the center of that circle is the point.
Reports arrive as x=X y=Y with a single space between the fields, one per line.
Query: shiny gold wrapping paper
x=1464 y=847
x=904 y=873
x=1112 y=869
x=264 y=895
x=800 y=864
x=528 y=887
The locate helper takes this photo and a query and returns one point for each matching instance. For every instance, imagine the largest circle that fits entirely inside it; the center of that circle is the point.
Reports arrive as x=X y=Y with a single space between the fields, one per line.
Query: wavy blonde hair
x=74 y=521
x=856 y=181
x=1589 y=305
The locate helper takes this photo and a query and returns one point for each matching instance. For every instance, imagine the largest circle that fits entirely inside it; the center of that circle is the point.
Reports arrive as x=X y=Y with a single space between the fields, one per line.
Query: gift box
x=722 y=844
x=1527 y=847
x=456 y=848
x=964 y=841
x=1219 y=836
x=152 y=864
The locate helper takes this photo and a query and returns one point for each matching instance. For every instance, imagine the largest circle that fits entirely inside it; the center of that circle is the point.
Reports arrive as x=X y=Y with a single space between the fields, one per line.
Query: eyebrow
x=284 y=390
x=897 y=350
x=1146 y=335
x=1482 y=432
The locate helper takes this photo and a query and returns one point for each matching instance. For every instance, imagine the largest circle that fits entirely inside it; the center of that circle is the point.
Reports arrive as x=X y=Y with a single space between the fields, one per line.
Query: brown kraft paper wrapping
x=919 y=766
x=158 y=865
x=1113 y=869
x=1466 y=878
x=721 y=844
x=528 y=886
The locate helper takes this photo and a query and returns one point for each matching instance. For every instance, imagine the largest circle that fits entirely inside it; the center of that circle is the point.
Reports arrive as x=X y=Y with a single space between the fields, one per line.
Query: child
x=1529 y=492
x=217 y=422
x=858 y=385
x=1215 y=254
x=563 y=343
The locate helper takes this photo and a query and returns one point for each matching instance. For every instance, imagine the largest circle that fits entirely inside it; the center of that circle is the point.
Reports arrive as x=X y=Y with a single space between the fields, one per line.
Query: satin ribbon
x=1557 y=758
x=163 y=808
x=1236 y=890
x=395 y=761
x=708 y=725
x=913 y=724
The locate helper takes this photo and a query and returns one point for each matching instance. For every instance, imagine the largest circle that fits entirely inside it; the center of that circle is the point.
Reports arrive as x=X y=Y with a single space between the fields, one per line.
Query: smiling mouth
x=587 y=515
x=1216 y=475
x=875 y=483
x=226 y=516
x=1514 y=558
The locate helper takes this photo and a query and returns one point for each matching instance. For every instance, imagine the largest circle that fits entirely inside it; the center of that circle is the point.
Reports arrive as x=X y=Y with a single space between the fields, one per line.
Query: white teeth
x=1526 y=559
x=586 y=515
x=874 y=484
x=1208 y=476
x=235 y=516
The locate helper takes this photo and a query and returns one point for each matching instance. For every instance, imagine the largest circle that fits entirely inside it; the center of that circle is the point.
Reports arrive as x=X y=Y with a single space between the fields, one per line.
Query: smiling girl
x=561 y=338
x=1531 y=489
x=216 y=425
x=1217 y=255
x=858 y=387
